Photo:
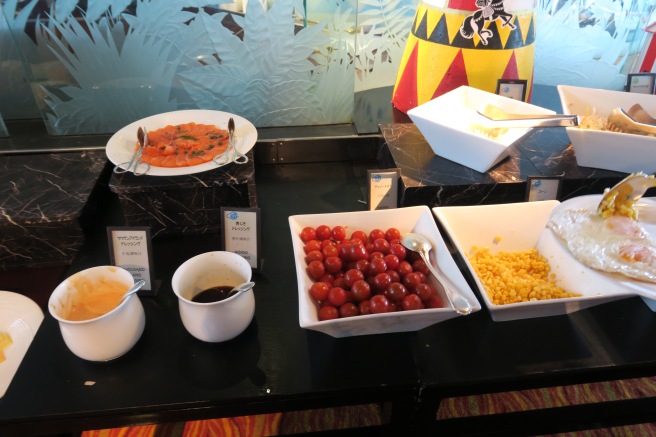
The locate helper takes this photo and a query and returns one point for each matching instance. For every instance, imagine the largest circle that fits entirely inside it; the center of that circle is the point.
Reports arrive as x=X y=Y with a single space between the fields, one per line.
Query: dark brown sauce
x=213 y=294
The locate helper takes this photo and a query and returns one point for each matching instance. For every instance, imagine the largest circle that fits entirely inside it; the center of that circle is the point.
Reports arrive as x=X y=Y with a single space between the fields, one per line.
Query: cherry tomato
x=377 y=265
x=349 y=309
x=360 y=290
x=424 y=291
x=379 y=304
x=411 y=280
x=359 y=235
x=394 y=275
x=358 y=252
x=333 y=264
x=308 y=233
x=411 y=302
x=344 y=251
x=325 y=243
x=323 y=232
x=381 y=281
x=328 y=312
x=340 y=282
x=364 y=307
x=404 y=268
x=352 y=276
x=420 y=266
x=382 y=245
x=375 y=254
x=392 y=261
x=396 y=292
x=330 y=251
x=434 y=302
x=327 y=278
x=363 y=266
x=311 y=245
x=319 y=291
x=338 y=233
x=316 y=269
x=399 y=250
x=315 y=255
x=375 y=235
x=392 y=234
x=337 y=296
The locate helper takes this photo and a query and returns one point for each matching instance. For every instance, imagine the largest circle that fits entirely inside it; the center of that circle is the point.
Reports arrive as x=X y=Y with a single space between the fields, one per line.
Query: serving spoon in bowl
x=421 y=245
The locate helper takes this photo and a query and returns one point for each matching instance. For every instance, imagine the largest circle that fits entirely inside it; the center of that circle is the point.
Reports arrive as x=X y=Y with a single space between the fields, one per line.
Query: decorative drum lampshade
x=465 y=42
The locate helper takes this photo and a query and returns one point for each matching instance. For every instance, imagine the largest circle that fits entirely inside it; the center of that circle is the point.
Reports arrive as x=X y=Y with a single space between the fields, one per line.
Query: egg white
x=617 y=244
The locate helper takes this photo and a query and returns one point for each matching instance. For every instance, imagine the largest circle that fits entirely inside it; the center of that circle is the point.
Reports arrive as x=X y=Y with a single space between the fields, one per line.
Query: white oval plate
x=120 y=146
x=21 y=317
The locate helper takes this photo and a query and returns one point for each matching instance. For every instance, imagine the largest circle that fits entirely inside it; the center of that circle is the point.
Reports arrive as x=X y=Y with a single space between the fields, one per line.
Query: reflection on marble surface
x=43 y=198
x=428 y=179
x=185 y=204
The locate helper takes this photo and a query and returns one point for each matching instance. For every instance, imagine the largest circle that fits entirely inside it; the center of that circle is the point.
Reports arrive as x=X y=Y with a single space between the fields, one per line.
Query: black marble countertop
x=44 y=199
x=428 y=179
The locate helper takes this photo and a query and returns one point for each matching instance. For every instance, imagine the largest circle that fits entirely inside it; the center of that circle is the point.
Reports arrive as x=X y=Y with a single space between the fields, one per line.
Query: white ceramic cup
x=108 y=336
x=215 y=321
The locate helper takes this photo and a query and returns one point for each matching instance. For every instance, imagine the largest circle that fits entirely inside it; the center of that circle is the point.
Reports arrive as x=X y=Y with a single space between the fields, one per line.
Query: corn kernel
x=510 y=277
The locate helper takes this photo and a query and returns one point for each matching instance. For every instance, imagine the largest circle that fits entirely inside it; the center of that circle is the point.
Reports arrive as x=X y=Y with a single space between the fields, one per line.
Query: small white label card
x=383 y=188
x=131 y=249
x=543 y=188
x=241 y=233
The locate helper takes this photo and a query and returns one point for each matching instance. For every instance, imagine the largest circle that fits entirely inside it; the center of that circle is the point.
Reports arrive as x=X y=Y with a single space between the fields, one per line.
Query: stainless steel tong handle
x=525 y=121
x=134 y=164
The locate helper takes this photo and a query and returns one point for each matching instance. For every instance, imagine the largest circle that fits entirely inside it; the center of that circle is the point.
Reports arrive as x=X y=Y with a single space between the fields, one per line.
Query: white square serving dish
x=416 y=219
x=617 y=151
x=519 y=227
x=447 y=122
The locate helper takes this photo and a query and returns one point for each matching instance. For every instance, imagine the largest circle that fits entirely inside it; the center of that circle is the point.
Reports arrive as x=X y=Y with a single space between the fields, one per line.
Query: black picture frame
x=642 y=83
x=512 y=88
x=543 y=188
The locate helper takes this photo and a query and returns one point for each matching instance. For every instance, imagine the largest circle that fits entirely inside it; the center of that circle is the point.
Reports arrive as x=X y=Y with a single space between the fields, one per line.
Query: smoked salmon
x=184 y=145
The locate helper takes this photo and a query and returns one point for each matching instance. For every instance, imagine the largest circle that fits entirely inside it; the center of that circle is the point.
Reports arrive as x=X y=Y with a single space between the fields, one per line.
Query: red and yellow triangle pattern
x=437 y=59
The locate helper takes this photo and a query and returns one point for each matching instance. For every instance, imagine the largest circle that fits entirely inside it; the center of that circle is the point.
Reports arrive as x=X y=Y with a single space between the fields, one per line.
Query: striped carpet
x=371 y=415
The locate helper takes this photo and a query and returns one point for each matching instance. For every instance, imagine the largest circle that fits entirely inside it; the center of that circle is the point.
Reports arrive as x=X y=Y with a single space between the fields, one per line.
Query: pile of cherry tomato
x=365 y=274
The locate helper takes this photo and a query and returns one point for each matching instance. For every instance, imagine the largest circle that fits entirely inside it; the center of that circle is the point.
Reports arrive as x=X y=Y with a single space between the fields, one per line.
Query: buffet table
x=277 y=366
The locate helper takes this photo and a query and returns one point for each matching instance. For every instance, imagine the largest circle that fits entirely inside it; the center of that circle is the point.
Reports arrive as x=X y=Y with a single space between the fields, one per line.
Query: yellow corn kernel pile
x=510 y=277
x=5 y=341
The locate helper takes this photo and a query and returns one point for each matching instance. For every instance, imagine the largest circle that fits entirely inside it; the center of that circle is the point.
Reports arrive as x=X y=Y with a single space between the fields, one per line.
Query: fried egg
x=617 y=244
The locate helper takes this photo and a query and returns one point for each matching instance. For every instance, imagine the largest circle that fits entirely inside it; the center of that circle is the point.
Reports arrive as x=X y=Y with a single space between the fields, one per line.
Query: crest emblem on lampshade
x=465 y=42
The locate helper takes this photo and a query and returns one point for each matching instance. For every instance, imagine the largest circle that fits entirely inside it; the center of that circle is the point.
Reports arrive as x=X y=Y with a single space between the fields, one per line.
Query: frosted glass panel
x=97 y=69
x=16 y=99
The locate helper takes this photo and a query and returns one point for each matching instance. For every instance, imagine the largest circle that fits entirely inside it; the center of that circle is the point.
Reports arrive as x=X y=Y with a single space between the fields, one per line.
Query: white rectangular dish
x=520 y=227
x=447 y=122
x=416 y=219
x=617 y=151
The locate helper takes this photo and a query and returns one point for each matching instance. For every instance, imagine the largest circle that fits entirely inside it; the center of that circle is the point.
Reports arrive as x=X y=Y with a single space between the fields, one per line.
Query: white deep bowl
x=446 y=123
x=628 y=153
x=216 y=321
x=416 y=219
x=108 y=336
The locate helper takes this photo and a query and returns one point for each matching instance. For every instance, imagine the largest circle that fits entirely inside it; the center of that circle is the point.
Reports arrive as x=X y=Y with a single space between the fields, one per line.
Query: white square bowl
x=519 y=227
x=628 y=153
x=447 y=124
x=411 y=219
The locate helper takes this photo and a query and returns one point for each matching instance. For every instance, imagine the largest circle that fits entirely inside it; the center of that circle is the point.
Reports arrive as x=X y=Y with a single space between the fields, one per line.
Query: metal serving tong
x=499 y=118
x=135 y=165
x=231 y=154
